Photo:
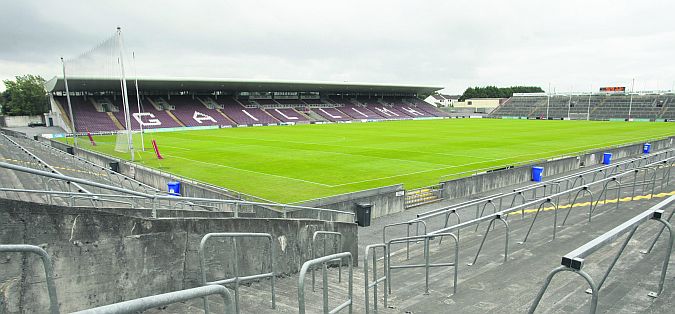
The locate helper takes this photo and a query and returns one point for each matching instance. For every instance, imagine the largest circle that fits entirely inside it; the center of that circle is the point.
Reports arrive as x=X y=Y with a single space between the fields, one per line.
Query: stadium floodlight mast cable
x=70 y=106
x=138 y=99
x=125 y=95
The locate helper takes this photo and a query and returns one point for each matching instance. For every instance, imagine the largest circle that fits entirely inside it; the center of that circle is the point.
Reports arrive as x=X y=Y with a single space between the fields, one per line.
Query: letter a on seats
x=200 y=117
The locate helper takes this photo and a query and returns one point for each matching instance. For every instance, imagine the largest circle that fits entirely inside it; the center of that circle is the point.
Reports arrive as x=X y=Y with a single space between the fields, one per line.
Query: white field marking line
x=380 y=178
x=565 y=151
x=315 y=151
x=342 y=139
x=462 y=165
x=176 y=147
x=405 y=174
x=351 y=146
x=414 y=172
x=246 y=170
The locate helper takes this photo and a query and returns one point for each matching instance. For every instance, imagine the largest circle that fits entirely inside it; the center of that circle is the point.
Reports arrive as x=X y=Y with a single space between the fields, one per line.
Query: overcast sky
x=573 y=45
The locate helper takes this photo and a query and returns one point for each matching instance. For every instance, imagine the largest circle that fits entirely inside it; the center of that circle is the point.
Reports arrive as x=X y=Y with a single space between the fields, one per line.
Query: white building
x=442 y=100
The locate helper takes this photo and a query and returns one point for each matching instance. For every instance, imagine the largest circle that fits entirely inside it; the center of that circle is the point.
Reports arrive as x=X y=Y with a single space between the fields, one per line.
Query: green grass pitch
x=295 y=163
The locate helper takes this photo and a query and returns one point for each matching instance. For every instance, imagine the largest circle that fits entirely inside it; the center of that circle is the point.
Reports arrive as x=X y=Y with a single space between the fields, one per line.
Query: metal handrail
x=376 y=281
x=46 y=262
x=338 y=249
x=408 y=224
x=94 y=196
x=183 y=179
x=81 y=188
x=323 y=260
x=450 y=208
x=108 y=171
x=442 y=210
x=574 y=260
x=146 y=303
x=237 y=279
x=163 y=197
x=427 y=262
x=536 y=201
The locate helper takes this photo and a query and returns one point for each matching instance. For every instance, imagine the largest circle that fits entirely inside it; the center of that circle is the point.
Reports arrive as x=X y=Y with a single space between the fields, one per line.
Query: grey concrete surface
x=385 y=200
x=38 y=130
x=102 y=257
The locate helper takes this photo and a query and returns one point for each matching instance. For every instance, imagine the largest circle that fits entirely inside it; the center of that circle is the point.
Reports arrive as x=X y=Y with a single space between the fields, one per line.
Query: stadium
x=175 y=194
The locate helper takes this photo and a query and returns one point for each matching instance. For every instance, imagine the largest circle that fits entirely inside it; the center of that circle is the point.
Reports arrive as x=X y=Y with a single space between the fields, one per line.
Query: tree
x=24 y=96
x=497 y=92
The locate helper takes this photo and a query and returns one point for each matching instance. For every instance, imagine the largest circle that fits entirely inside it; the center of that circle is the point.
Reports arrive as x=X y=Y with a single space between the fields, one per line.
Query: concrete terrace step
x=491 y=286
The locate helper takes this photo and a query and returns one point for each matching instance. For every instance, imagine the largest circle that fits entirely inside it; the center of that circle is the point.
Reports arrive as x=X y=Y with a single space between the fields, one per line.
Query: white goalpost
x=106 y=60
x=123 y=137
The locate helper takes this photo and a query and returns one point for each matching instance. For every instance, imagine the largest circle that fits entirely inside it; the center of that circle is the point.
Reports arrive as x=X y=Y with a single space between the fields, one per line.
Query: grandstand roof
x=207 y=85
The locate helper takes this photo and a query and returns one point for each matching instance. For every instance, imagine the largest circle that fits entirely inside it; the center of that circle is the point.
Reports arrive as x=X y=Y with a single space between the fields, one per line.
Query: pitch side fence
x=155 y=202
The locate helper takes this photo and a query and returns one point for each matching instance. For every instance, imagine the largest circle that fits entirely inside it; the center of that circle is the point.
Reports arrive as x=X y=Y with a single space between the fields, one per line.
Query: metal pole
x=70 y=106
x=630 y=105
x=569 y=107
x=125 y=96
x=138 y=100
x=588 y=113
x=548 y=103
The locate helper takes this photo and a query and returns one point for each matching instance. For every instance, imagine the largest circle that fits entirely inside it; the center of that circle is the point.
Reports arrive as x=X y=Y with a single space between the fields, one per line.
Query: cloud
x=572 y=44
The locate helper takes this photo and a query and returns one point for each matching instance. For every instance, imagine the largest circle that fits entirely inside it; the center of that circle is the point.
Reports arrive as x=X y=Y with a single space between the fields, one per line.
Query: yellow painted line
x=609 y=201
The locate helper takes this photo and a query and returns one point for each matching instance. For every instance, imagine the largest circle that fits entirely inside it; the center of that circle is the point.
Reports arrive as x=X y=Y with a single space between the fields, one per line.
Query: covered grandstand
x=648 y=106
x=97 y=104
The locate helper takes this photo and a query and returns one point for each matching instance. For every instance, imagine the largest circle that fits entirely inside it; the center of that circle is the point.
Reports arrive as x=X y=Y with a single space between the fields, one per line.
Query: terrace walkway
x=491 y=285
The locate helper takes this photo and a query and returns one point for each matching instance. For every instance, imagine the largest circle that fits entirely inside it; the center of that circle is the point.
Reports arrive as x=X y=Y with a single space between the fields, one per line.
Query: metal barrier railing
x=156 y=199
x=423 y=195
x=323 y=261
x=519 y=194
x=427 y=261
x=147 y=303
x=540 y=205
x=46 y=263
x=570 y=181
x=109 y=173
x=237 y=279
x=651 y=246
x=503 y=214
x=408 y=224
x=574 y=261
x=376 y=281
x=338 y=249
x=52 y=169
x=94 y=197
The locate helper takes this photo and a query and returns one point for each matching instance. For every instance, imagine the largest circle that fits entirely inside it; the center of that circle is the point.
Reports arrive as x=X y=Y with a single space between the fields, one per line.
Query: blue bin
x=606 y=158
x=537 y=173
x=174 y=188
x=646 y=148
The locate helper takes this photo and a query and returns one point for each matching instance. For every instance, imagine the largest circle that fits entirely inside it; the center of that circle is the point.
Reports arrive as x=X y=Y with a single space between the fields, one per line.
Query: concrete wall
x=384 y=200
x=18 y=121
x=498 y=179
x=100 y=258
